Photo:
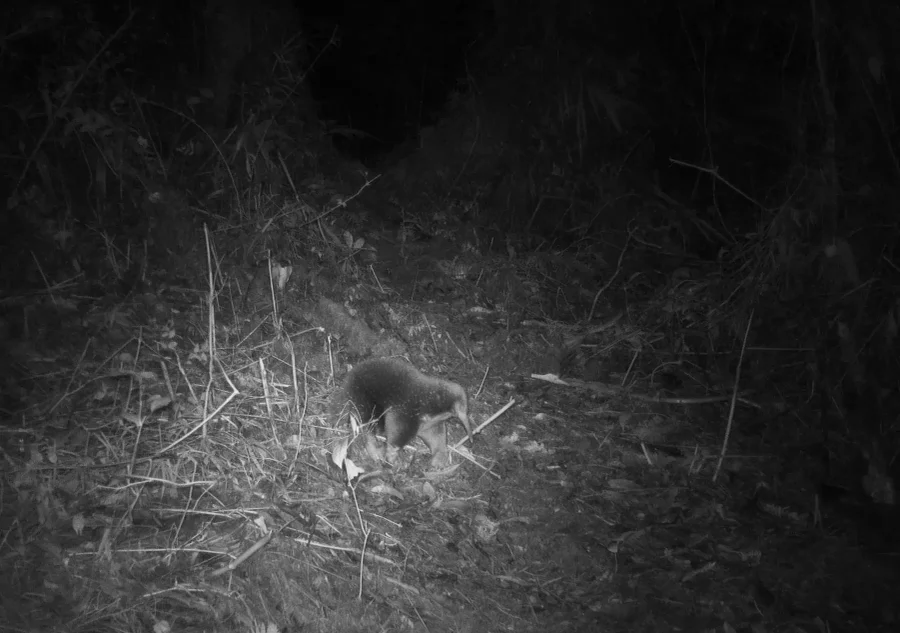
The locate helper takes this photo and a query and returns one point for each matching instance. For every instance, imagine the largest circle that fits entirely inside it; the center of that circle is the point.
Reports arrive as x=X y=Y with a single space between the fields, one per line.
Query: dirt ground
x=148 y=498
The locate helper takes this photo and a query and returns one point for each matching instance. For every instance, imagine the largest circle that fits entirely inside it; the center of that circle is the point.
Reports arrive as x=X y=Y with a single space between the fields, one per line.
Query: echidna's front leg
x=434 y=433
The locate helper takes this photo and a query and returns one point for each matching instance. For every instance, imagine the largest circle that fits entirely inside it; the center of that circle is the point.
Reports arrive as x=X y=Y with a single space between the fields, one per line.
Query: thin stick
x=186 y=380
x=483 y=378
x=484 y=424
x=431 y=332
x=211 y=318
x=240 y=559
x=267 y=394
x=737 y=380
x=168 y=380
x=67 y=393
x=140 y=413
x=468 y=456
x=714 y=172
x=610 y=280
x=276 y=318
x=202 y=424
x=366 y=531
x=300 y=414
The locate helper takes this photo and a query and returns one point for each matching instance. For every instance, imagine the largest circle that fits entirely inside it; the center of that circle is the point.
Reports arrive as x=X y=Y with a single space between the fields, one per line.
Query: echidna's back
x=374 y=385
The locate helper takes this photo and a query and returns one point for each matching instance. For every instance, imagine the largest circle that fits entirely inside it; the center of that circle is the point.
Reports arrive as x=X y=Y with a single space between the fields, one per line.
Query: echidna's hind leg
x=374 y=451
